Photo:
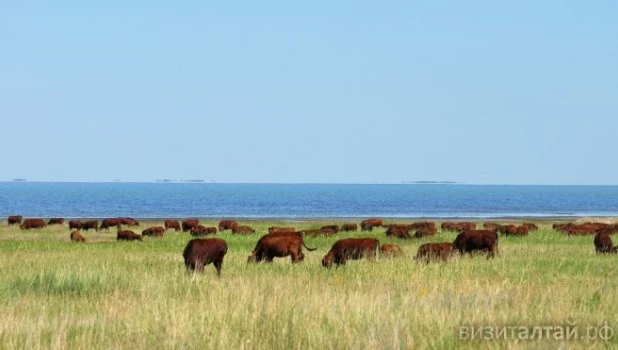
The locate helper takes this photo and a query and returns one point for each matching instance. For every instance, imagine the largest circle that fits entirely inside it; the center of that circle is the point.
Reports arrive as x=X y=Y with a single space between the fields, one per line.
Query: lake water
x=178 y=200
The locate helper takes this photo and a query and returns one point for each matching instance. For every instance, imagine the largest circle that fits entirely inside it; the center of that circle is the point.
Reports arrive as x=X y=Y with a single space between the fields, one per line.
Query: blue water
x=177 y=200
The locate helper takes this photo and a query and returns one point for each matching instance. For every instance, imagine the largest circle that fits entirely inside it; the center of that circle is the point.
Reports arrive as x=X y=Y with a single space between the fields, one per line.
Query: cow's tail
x=309 y=249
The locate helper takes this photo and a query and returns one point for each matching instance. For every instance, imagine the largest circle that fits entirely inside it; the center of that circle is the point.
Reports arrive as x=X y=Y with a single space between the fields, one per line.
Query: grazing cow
x=110 y=222
x=240 y=229
x=127 y=235
x=458 y=226
x=586 y=228
x=512 y=230
x=227 y=225
x=312 y=232
x=77 y=237
x=203 y=251
x=75 y=224
x=426 y=231
x=14 y=219
x=55 y=221
x=333 y=228
x=187 y=224
x=349 y=227
x=481 y=240
x=172 y=224
x=603 y=243
x=32 y=223
x=530 y=226
x=201 y=230
x=274 y=229
x=90 y=224
x=128 y=221
x=351 y=248
x=491 y=226
x=435 y=251
x=398 y=231
x=154 y=231
x=369 y=224
x=390 y=250
x=280 y=245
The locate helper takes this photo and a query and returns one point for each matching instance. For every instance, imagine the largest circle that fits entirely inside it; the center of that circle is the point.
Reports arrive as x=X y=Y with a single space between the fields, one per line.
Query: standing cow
x=203 y=251
x=172 y=224
x=32 y=223
x=279 y=244
x=14 y=219
x=477 y=240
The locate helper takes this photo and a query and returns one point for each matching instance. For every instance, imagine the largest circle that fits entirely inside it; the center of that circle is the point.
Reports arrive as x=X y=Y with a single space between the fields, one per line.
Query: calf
x=203 y=251
x=390 y=250
x=201 y=230
x=77 y=237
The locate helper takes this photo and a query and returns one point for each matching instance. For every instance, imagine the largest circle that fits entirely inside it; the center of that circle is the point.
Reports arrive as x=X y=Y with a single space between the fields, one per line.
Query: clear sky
x=484 y=92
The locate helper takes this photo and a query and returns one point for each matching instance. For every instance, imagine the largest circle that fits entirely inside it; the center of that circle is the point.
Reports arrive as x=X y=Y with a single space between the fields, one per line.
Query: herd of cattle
x=287 y=241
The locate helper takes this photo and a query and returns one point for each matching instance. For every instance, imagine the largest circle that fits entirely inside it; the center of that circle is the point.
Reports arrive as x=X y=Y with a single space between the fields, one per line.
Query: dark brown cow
x=435 y=251
x=351 y=248
x=201 y=230
x=127 y=235
x=154 y=231
x=491 y=226
x=32 y=223
x=333 y=228
x=398 y=231
x=477 y=240
x=369 y=224
x=423 y=224
x=187 y=224
x=203 y=251
x=14 y=219
x=391 y=250
x=586 y=228
x=426 y=231
x=530 y=226
x=349 y=227
x=280 y=245
x=77 y=237
x=75 y=224
x=55 y=221
x=227 y=225
x=240 y=229
x=110 y=222
x=603 y=243
x=274 y=229
x=90 y=224
x=172 y=224
x=128 y=221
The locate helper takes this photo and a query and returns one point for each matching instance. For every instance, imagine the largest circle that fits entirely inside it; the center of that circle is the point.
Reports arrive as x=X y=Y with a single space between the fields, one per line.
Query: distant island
x=19 y=180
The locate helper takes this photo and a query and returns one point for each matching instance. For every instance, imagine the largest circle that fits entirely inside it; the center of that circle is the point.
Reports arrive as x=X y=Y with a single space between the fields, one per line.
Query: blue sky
x=486 y=92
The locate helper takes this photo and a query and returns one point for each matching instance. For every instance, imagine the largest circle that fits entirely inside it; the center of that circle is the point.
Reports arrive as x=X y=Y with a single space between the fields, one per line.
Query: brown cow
x=349 y=227
x=333 y=228
x=242 y=229
x=279 y=244
x=391 y=250
x=274 y=229
x=398 y=231
x=426 y=231
x=512 y=230
x=127 y=235
x=201 y=230
x=369 y=224
x=312 y=232
x=90 y=224
x=458 y=226
x=603 y=243
x=187 y=224
x=203 y=251
x=530 y=226
x=32 y=223
x=110 y=222
x=14 y=219
x=227 y=225
x=172 y=224
x=128 y=221
x=435 y=251
x=75 y=224
x=55 y=221
x=154 y=231
x=491 y=226
x=77 y=237
x=351 y=248
x=481 y=240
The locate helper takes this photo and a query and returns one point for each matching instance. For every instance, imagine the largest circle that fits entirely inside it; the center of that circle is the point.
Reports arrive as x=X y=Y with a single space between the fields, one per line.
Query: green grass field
x=136 y=295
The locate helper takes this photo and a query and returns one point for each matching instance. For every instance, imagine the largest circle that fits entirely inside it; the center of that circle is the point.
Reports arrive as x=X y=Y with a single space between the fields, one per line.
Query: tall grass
x=107 y=294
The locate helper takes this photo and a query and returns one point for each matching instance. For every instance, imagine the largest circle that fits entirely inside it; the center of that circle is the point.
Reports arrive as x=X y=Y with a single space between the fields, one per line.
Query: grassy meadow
x=104 y=294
